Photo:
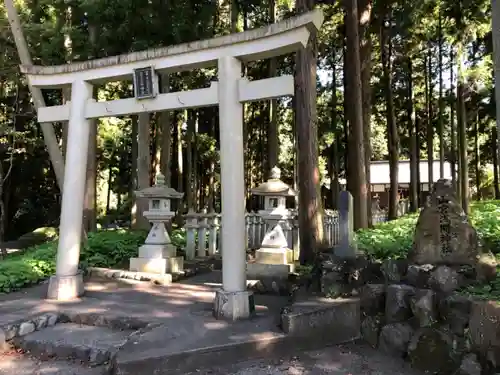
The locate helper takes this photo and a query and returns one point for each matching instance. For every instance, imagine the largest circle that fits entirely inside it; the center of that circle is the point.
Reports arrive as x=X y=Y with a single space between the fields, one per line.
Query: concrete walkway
x=185 y=323
x=143 y=300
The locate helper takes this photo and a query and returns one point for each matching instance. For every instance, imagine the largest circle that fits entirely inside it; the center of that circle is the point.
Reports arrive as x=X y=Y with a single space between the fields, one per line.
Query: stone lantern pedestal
x=274 y=258
x=158 y=254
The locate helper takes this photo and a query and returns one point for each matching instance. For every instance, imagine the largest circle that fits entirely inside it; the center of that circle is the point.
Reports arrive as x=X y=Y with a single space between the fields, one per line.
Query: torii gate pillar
x=67 y=283
x=233 y=301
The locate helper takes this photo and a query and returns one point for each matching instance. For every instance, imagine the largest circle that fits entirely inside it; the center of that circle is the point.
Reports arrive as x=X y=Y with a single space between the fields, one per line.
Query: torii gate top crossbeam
x=273 y=40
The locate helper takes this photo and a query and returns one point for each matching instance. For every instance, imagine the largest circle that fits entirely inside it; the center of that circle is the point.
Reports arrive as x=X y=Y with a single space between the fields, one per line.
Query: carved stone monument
x=346 y=247
x=443 y=234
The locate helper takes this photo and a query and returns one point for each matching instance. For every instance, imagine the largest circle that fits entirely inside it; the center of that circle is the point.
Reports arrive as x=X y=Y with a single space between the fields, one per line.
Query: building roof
x=379 y=172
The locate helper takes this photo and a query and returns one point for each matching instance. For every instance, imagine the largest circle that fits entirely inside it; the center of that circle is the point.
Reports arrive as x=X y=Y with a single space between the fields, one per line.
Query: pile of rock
x=412 y=307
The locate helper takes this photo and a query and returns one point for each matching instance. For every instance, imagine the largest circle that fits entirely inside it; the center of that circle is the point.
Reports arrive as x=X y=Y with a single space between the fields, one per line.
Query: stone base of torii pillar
x=66 y=287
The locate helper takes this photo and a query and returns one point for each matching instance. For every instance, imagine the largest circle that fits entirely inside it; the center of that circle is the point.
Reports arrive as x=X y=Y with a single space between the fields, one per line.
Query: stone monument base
x=259 y=271
x=233 y=306
x=345 y=251
x=270 y=255
x=157 y=265
x=157 y=251
x=66 y=288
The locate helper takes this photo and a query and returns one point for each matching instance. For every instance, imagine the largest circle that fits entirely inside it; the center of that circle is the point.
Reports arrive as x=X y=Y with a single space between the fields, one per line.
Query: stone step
x=323 y=319
x=308 y=325
x=92 y=345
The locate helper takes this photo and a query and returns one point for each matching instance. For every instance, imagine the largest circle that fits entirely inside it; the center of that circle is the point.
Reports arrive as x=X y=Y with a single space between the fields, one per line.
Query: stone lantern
x=274 y=248
x=158 y=254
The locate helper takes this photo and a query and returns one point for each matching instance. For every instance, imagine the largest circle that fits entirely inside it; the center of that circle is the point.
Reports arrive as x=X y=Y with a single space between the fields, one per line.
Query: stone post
x=67 y=283
x=296 y=237
x=212 y=234
x=346 y=247
x=247 y=230
x=202 y=234
x=233 y=301
x=191 y=227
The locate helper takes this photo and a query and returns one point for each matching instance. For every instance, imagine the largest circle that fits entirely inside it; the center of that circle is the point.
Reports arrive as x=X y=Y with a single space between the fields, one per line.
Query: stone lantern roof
x=159 y=190
x=274 y=186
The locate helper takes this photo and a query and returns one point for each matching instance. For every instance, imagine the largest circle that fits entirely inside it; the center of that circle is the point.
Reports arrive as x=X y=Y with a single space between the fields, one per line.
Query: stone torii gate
x=227 y=53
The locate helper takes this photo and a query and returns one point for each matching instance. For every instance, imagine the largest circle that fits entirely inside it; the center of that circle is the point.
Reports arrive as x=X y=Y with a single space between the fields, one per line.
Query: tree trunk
x=197 y=198
x=347 y=152
x=310 y=205
x=392 y=131
x=365 y=15
x=495 y=164
x=180 y=160
x=89 y=208
x=495 y=15
x=90 y=199
x=417 y=161
x=235 y=9
x=440 y=103
x=430 y=127
x=108 y=195
x=357 y=172
x=211 y=185
x=66 y=97
x=462 y=133
x=143 y=164
x=48 y=132
x=189 y=159
x=272 y=135
x=453 y=146
x=413 y=142
x=166 y=136
x=4 y=175
x=134 y=178
x=334 y=155
x=476 y=156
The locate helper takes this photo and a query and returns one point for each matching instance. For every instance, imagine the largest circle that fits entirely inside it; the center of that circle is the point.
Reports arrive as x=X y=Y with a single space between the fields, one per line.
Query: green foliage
x=490 y=291
x=108 y=248
x=28 y=269
x=111 y=248
x=485 y=218
x=391 y=240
